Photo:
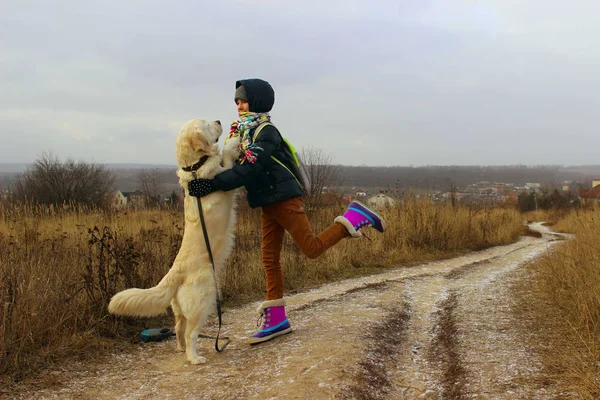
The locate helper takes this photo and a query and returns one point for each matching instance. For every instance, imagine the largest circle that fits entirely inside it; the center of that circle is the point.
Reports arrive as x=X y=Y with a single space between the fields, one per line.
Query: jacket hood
x=260 y=94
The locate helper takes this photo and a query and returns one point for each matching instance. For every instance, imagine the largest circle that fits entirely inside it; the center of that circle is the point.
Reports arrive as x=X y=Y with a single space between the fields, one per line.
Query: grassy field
x=567 y=283
x=60 y=266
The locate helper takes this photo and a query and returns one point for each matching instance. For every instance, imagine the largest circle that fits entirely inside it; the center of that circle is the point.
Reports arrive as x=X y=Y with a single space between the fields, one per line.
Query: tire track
x=445 y=350
x=373 y=379
x=436 y=358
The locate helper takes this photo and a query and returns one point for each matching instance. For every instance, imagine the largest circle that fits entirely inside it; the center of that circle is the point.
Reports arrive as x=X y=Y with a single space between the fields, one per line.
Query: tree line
x=52 y=181
x=442 y=178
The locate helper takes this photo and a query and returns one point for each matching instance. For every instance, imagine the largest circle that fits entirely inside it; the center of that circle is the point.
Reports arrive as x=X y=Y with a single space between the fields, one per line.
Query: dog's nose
x=218 y=122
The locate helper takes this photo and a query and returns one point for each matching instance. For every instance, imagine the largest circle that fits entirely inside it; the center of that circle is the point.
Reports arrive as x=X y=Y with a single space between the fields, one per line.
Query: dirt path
x=440 y=330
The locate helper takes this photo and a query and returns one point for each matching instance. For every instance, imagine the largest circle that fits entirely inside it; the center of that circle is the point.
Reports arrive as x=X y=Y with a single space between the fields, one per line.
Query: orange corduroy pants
x=289 y=215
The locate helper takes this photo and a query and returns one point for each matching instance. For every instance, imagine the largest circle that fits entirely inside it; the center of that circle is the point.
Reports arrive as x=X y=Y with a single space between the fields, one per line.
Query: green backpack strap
x=260 y=128
x=287 y=143
x=285 y=140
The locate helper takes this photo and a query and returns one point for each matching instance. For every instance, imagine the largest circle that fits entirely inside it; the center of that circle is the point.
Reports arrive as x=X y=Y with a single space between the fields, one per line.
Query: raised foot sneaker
x=359 y=216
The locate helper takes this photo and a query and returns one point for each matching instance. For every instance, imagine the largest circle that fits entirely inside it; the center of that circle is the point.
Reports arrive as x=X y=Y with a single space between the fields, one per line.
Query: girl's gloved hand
x=200 y=187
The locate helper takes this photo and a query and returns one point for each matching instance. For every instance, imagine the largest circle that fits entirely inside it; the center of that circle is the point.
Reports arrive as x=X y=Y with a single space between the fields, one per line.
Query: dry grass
x=59 y=267
x=550 y=217
x=55 y=278
x=568 y=281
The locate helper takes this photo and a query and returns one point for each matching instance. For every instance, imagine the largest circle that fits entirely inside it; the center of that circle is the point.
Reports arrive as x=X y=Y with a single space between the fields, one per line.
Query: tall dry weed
x=58 y=269
x=568 y=279
x=59 y=266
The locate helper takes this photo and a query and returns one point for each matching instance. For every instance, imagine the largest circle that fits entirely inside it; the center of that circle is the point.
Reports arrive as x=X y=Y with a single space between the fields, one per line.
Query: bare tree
x=322 y=175
x=50 y=181
x=152 y=185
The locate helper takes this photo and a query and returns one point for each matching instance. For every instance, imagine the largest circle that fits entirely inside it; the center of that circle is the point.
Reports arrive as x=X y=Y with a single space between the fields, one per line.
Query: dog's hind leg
x=180 y=325
x=195 y=305
x=191 y=338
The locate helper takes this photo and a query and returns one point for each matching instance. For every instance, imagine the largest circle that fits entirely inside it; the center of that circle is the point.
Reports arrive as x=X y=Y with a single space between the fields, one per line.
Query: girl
x=266 y=171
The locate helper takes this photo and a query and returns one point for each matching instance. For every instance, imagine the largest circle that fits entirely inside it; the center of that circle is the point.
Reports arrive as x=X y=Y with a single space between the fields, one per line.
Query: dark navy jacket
x=266 y=181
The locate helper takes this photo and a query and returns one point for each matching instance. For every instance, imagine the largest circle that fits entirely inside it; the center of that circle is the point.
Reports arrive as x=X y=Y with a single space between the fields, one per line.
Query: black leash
x=212 y=261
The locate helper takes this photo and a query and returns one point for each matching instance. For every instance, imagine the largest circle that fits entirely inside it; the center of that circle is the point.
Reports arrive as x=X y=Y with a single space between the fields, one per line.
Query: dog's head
x=197 y=138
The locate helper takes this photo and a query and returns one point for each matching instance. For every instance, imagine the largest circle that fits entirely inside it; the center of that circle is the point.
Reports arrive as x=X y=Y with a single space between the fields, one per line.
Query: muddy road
x=440 y=330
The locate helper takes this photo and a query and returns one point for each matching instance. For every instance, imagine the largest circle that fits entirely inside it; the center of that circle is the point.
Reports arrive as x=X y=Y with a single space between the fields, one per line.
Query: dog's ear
x=198 y=143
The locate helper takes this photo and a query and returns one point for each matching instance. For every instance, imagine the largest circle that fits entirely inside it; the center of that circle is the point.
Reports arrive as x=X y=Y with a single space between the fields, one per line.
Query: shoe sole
x=267 y=338
x=383 y=225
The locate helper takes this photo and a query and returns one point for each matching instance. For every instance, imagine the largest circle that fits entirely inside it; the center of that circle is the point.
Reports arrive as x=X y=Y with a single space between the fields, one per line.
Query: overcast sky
x=423 y=82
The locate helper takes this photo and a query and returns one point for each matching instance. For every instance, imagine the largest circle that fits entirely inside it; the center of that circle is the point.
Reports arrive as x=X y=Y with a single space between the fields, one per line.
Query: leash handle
x=212 y=262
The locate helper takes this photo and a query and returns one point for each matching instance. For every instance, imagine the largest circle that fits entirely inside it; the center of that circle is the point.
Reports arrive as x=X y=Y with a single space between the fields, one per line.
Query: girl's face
x=242 y=106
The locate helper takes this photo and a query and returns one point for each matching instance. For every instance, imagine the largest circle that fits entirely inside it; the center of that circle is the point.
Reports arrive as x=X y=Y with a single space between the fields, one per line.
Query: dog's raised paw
x=231 y=152
x=198 y=360
x=232 y=145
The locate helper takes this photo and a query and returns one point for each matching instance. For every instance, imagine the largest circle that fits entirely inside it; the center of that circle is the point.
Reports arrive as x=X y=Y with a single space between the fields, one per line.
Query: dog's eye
x=217 y=140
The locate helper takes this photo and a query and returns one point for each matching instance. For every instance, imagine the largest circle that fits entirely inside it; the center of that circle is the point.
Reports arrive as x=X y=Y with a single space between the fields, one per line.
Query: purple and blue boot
x=359 y=216
x=275 y=322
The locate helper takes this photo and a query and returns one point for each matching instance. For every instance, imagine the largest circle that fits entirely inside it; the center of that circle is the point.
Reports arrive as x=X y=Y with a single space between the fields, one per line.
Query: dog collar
x=196 y=166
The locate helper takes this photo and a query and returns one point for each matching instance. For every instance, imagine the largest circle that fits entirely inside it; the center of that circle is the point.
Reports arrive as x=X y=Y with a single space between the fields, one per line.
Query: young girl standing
x=266 y=171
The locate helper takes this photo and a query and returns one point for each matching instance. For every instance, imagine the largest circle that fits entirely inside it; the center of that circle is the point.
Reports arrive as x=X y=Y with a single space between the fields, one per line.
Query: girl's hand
x=200 y=187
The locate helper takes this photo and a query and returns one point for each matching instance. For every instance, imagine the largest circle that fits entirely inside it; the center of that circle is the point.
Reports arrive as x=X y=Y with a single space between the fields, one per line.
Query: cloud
x=384 y=83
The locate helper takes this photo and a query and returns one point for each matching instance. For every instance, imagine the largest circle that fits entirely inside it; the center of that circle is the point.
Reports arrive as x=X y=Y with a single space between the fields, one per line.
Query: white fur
x=270 y=303
x=344 y=221
x=189 y=285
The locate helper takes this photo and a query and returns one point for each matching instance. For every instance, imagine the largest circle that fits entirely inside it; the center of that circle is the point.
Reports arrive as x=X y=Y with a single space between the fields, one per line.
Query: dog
x=189 y=285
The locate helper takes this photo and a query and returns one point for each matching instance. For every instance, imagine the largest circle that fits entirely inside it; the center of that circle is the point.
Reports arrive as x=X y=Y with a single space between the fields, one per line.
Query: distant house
x=135 y=199
x=360 y=194
x=593 y=194
x=175 y=199
x=488 y=191
x=5 y=194
x=381 y=202
x=118 y=200
x=533 y=186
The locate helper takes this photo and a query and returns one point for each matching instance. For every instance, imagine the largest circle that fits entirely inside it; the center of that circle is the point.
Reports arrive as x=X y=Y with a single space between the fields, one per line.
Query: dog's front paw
x=232 y=144
x=198 y=360
x=231 y=152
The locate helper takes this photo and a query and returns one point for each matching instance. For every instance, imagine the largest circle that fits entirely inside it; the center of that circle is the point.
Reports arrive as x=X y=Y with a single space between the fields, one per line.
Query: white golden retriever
x=189 y=285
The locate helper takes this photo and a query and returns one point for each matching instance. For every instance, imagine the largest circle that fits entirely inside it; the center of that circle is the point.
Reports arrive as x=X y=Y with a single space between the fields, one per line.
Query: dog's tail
x=145 y=302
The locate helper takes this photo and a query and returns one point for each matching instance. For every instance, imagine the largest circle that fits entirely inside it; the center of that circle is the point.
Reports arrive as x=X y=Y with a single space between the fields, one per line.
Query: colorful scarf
x=242 y=128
